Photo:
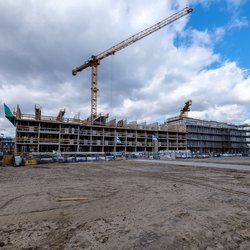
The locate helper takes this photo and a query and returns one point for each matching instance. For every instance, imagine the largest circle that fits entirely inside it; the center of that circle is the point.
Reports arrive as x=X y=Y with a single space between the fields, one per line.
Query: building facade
x=213 y=137
x=37 y=133
x=47 y=134
x=7 y=145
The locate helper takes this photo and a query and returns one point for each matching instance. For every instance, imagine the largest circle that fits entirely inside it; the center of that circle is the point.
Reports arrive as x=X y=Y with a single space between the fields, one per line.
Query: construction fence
x=71 y=157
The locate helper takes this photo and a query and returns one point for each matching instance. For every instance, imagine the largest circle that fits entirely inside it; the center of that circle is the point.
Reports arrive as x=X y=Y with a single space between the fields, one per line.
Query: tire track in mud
x=104 y=187
x=13 y=199
x=197 y=183
x=176 y=178
x=56 y=197
x=92 y=191
x=10 y=201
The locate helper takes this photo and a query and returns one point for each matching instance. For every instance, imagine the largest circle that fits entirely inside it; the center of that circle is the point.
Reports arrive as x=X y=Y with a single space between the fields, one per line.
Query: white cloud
x=235 y=3
x=230 y=3
x=226 y=113
x=239 y=23
x=219 y=34
x=201 y=38
x=247 y=122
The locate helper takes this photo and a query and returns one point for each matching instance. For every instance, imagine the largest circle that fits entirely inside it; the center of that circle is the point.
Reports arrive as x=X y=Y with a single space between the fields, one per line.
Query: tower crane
x=94 y=61
x=184 y=111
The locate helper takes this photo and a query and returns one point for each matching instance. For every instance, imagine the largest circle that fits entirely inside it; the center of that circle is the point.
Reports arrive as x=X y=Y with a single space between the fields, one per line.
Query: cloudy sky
x=203 y=56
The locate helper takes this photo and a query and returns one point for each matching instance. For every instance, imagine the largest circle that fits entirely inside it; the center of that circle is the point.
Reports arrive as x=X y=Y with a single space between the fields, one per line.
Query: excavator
x=94 y=61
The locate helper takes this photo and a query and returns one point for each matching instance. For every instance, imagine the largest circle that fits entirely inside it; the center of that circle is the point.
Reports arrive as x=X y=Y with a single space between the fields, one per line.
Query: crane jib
x=144 y=33
x=132 y=39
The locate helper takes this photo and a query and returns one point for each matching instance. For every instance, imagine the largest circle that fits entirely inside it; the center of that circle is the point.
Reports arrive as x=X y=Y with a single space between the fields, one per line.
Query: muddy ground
x=124 y=205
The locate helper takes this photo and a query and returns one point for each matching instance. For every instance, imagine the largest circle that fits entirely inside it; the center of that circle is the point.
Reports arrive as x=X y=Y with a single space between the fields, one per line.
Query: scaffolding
x=38 y=133
x=212 y=136
x=47 y=134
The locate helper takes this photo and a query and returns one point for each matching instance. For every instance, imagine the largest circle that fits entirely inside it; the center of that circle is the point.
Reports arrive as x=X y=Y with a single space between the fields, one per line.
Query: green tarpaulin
x=9 y=115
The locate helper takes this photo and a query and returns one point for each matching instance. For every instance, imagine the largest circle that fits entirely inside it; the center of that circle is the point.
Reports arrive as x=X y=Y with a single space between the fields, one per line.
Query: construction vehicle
x=94 y=61
x=184 y=111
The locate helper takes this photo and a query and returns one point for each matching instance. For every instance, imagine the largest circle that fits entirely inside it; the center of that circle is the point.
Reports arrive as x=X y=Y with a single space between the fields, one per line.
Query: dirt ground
x=124 y=205
x=229 y=160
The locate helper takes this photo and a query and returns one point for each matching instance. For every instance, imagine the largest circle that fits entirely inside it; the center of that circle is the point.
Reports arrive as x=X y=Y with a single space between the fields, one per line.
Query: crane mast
x=94 y=61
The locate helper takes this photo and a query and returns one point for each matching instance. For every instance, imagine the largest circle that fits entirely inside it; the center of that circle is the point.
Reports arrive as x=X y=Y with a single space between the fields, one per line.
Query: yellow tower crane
x=94 y=61
x=184 y=111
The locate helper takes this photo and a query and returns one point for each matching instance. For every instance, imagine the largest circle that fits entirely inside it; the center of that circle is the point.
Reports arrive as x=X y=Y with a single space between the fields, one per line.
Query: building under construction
x=39 y=133
x=213 y=137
